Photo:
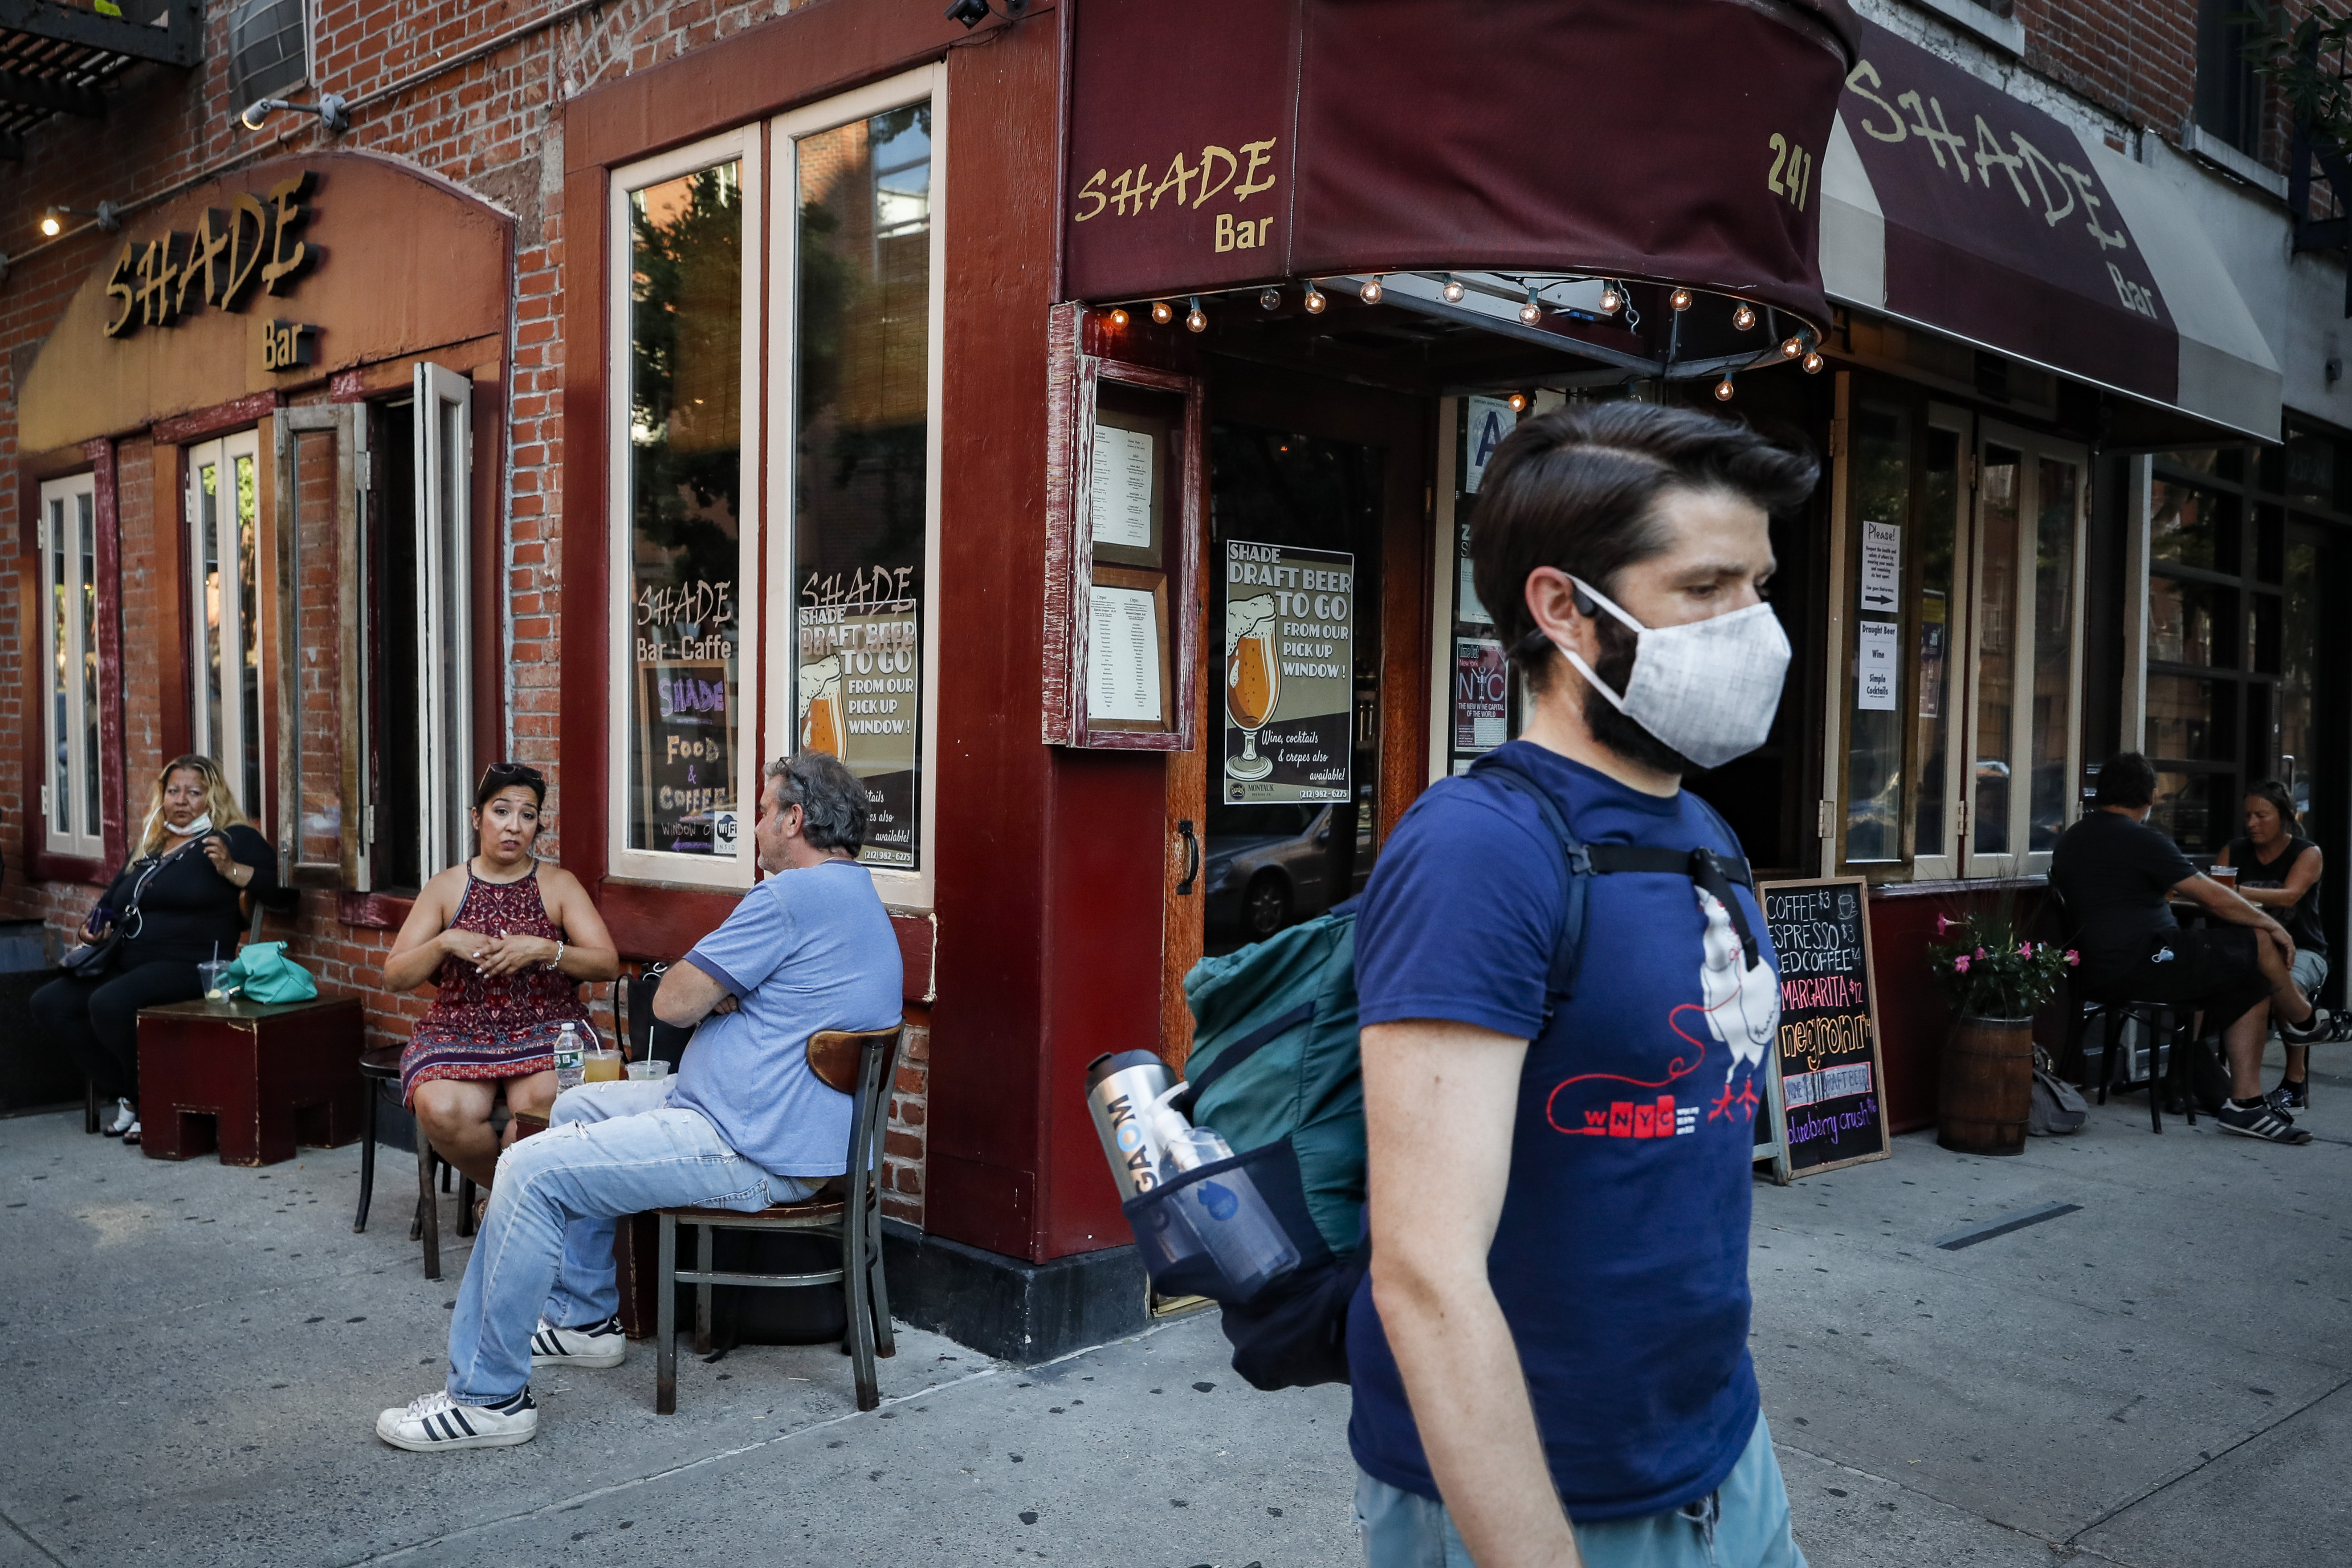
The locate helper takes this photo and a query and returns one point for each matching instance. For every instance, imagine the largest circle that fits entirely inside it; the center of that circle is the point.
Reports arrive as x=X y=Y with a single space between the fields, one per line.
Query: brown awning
x=1229 y=143
x=1946 y=201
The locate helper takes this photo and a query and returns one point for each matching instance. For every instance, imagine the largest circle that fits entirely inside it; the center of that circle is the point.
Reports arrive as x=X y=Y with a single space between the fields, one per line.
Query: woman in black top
x=2278 y=870
x=177 y=905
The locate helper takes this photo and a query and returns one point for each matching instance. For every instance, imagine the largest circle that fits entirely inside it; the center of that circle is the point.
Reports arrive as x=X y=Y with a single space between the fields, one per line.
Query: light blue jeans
x=1743 y=1523
x=546 y=1245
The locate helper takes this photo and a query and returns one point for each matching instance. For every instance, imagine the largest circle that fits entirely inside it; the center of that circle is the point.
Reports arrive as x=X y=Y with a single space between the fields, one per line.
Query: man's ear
x=1551 y=604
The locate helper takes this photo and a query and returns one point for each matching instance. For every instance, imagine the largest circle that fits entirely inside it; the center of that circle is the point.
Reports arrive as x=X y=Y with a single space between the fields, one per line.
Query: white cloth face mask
x=1709 y=688
x=201 y=824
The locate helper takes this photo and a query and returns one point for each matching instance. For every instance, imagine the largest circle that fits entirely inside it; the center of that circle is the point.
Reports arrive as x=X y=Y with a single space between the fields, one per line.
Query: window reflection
x=2180 y=621
x=1997 y=612
x=685 y=473
x=2056 y=493
x=1880 y=474
x=1937 y=530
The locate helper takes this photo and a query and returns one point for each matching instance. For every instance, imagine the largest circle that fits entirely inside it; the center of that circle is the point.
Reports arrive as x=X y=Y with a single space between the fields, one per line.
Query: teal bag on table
x=263 y=973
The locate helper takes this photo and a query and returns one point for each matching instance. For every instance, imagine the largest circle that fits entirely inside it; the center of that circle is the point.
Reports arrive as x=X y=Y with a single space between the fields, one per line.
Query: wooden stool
x=266 y=1077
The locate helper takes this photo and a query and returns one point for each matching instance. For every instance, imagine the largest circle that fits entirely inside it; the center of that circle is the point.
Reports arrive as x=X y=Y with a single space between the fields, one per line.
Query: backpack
x=1274 y=1069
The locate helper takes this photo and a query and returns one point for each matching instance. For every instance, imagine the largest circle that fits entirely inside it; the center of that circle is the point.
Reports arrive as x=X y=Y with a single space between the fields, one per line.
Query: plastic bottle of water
x=570 y=1066
x=1226 y=1210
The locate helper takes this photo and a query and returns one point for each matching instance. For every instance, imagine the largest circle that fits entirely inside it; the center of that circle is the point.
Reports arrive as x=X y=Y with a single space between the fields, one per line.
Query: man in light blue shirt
x=744 y=1124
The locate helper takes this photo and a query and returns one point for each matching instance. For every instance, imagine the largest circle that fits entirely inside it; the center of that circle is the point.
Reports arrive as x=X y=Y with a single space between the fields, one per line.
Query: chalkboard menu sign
x=1824 y=1108
x=686 y=756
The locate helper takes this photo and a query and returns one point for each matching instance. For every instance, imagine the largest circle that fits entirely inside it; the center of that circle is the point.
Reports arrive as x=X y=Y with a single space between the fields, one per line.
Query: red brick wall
x=494 y=126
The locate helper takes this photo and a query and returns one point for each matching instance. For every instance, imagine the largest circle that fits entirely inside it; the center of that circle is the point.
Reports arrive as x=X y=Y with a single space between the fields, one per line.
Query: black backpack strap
x=1240 y=1051
x=1561 y=983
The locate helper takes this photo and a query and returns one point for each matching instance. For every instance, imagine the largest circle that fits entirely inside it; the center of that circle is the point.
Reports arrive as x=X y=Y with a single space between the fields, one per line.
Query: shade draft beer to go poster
x=1289 y=673
x=859 y=692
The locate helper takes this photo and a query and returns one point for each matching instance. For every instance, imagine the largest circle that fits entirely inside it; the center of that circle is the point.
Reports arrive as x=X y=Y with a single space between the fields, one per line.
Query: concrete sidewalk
x=2157 y=1378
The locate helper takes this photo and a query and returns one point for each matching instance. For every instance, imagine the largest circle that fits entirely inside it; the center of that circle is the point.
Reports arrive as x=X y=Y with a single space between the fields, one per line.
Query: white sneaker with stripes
x=598 y=1344
x=437 y=1422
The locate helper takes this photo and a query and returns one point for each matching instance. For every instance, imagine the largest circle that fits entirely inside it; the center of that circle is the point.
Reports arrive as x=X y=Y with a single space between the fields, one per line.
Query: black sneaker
x=2291 y=1096
x=2315 y=1027
x=2259 y=1120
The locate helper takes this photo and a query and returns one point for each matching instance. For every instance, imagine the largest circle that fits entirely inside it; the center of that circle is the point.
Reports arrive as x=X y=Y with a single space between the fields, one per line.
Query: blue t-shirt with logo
x=805 y=950
x=1620 y=1257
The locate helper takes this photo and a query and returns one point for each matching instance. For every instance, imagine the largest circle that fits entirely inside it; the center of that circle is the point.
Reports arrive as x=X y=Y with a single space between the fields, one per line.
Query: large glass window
x=69 y=568
x=223 y=522
x=2198 y=700
x=682 y=752
x=1880 y=483
x=861 y=486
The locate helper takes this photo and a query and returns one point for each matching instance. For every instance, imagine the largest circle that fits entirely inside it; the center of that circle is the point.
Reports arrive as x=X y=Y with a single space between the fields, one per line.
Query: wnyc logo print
x=1661 y=1118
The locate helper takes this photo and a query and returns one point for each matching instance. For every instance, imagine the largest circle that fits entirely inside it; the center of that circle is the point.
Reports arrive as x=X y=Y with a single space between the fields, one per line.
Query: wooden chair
x=863 y=1066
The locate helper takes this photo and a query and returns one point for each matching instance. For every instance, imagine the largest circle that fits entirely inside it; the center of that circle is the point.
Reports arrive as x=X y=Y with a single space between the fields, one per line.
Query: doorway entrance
x=1313 y=736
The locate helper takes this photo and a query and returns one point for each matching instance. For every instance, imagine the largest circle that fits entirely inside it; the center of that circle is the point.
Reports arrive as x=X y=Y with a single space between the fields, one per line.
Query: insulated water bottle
x=1120 y=1086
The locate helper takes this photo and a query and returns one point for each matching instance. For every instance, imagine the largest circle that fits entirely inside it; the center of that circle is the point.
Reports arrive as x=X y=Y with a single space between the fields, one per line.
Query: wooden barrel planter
x=1988 y=1086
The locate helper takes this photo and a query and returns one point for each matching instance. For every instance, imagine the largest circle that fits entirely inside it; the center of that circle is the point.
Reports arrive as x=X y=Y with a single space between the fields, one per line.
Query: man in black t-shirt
x=2117 y=875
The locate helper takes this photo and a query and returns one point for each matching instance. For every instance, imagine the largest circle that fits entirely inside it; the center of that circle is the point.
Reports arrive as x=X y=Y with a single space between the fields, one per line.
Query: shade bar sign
x=1289 y=672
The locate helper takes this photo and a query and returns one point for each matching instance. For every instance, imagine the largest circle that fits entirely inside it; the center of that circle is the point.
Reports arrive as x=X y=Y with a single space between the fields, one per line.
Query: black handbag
x=95 y=960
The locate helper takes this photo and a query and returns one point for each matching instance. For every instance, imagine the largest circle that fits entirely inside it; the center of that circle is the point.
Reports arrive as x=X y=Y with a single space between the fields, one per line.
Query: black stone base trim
x=1006 y=1307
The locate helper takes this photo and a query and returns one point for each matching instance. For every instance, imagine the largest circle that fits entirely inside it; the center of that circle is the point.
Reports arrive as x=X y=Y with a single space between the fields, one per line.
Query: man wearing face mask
x=1550 y=1356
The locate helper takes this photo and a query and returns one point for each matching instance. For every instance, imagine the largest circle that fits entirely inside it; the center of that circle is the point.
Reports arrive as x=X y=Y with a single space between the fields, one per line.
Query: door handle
x=1192 y=857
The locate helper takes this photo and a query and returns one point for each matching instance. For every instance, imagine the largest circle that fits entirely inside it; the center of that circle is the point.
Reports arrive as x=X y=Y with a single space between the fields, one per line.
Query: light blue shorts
x=2310 y=972
x=1744 y=1523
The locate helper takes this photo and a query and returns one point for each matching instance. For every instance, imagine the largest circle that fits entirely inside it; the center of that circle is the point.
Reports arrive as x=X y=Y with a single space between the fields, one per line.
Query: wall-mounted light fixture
x=972 y=13
x=330 y=108
x=107 y=215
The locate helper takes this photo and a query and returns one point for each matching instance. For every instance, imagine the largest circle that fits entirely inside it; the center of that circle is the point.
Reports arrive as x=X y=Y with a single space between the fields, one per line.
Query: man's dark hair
x=832 y=799
x=1578 y=489
x=2127 y=779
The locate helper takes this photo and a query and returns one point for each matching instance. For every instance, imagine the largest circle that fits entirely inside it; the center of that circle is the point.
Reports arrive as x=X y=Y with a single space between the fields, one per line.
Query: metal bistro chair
x=2166 y=1023
x=862 y=1065
x=381 y=1067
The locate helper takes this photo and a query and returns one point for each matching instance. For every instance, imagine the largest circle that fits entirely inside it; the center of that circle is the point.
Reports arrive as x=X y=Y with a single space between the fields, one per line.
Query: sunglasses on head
x=500 y=774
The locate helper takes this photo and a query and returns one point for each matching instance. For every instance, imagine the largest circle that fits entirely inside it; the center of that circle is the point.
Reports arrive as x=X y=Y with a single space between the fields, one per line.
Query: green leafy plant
x=2304 y=57
x=1991 y=970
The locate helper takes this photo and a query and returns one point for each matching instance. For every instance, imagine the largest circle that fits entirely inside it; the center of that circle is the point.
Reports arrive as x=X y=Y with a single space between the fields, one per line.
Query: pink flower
x=2073 y=957
x=2025 y=949
x=1980 y=953
x=1960 y=964
x=1944 y=925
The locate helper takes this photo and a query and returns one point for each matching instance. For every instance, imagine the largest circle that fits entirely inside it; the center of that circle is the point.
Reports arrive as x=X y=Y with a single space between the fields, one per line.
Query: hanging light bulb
x=1119 y=316
x=1612 y=299
x=1723 y=388
x=1792 y=348
x=1531 y=312
x=1316 y=299
x=1196 y=319
x=1453 y=290
x=1518 y=402
x=1813 y=362
x=1163 y=313
x=1744 y=317
x=1269 y=299
x=1680 y=298
x=1371 y=291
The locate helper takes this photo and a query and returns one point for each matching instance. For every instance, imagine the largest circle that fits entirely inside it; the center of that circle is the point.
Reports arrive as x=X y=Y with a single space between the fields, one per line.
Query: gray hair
x=831 y=798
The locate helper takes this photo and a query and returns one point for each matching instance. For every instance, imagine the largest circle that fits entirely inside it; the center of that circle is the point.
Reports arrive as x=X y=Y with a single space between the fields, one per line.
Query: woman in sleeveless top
x=507 y=940
x=2278 y=869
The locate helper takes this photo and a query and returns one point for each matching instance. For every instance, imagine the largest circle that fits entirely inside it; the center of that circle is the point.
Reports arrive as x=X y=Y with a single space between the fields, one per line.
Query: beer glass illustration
x=1253 y=679
x=821 y=726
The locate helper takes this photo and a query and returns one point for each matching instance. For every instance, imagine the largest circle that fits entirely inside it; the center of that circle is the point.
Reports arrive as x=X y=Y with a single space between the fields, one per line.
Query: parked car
x=1267 y=866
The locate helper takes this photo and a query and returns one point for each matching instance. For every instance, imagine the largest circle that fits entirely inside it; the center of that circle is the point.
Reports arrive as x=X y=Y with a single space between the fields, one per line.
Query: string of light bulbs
x=1801 y=347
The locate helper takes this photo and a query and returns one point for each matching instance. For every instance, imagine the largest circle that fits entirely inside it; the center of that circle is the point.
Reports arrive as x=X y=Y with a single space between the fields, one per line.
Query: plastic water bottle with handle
x=1226 y=1210
x=570 y=1066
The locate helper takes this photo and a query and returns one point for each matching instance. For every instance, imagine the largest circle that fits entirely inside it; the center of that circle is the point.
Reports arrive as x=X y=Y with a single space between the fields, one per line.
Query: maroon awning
x=1226 y=144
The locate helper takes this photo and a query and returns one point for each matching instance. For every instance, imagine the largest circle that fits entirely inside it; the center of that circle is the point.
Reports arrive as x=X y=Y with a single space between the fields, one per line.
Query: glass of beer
x=821 y=723
x=601 y=1066
x=1253 y=679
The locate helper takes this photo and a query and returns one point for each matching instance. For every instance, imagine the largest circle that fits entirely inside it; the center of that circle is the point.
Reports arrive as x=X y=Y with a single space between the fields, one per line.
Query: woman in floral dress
x=507 y=940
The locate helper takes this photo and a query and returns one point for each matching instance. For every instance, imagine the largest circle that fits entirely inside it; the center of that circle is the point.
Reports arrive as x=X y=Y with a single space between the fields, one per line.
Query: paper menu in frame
x=1123 y=654
x=1124 y=465
x=1878 y=671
